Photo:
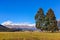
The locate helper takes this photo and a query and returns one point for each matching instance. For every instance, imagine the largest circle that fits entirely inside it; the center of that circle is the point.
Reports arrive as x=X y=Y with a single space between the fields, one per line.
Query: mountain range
x=20 y=27
x=4 y=28
x=58 y=23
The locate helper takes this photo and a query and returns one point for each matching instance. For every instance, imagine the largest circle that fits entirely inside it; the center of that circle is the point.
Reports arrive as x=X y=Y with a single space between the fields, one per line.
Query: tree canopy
x=46 y=22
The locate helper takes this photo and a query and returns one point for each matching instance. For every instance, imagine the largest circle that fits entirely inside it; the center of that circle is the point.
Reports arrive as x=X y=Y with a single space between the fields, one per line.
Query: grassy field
x=29 y=36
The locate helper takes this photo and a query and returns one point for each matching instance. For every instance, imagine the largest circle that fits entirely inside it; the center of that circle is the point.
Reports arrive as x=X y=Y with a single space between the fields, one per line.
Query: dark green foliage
x=39 y=17
x=52 y=25
x=47 y=22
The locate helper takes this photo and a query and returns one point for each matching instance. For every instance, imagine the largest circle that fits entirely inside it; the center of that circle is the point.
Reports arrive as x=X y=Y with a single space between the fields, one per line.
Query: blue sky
x=25 y=10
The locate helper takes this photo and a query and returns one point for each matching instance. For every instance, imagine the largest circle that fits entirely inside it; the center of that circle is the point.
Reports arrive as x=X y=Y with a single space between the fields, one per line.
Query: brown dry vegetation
x=29 y=36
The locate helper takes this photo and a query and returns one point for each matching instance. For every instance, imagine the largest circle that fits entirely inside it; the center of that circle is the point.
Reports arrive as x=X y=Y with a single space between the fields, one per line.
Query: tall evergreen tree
x=39 y=17
x=51 y=21
x=47 y=22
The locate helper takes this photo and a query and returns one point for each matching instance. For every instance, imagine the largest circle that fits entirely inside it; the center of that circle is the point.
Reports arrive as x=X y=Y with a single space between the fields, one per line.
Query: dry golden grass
x=29 y=36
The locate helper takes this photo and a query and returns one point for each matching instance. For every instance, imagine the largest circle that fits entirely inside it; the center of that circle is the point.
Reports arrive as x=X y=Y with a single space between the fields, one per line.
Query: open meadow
x=29 y=36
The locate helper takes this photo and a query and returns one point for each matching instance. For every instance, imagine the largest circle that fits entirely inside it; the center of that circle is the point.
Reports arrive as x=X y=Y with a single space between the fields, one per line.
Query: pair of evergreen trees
x=46 y=22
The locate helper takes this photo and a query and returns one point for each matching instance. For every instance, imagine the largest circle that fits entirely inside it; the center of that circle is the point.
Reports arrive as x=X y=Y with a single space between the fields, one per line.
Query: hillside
x=4 y=28
x=58 y=23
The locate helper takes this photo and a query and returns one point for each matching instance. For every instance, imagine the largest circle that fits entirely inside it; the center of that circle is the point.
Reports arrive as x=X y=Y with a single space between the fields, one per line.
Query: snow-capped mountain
x=10 y=24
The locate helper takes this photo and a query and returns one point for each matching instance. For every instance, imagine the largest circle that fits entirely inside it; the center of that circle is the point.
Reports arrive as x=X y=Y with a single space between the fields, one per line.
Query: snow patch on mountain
x=10 y=24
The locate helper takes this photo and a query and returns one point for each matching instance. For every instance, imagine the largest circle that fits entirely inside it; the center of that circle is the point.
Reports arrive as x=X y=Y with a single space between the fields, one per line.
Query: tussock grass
x=29 y=36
